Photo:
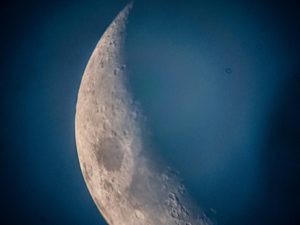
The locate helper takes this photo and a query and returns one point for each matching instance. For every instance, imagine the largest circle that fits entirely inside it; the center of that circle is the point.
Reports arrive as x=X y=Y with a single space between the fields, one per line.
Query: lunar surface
x=128 y=182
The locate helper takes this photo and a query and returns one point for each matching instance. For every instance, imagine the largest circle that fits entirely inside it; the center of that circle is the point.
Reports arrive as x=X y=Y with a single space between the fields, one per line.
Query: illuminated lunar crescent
x=128 y=182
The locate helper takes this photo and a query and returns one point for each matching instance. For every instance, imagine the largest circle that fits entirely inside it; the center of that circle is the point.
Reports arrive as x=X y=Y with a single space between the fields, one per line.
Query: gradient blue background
x=219 y=82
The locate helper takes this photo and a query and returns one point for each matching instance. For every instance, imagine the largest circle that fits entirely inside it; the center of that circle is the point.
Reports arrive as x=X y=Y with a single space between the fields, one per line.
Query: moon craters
x=110 y=154
x=175 y=208
x=139 y=214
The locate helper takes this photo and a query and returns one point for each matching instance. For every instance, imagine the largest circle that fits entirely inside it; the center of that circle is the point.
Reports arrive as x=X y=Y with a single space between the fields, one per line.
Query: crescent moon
x=129 y=183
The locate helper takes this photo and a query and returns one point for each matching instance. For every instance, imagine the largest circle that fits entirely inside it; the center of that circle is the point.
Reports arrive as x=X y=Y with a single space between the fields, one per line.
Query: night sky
x=219 y=83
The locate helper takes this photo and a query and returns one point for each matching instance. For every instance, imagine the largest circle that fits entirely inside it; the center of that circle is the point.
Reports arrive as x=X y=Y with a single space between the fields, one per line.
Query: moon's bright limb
x=127 y=183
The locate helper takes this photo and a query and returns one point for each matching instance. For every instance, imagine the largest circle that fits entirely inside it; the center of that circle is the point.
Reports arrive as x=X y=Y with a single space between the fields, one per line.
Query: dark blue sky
x=219 y=82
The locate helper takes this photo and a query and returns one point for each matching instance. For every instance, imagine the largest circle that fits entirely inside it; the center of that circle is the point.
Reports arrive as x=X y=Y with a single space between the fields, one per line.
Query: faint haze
x=217 y=80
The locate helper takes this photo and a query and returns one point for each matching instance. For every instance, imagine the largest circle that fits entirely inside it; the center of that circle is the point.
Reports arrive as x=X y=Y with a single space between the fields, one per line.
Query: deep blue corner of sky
x=218 y=80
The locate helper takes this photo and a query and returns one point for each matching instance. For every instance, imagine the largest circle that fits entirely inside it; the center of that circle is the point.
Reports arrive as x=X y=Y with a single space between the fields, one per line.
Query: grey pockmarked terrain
x=128 y=182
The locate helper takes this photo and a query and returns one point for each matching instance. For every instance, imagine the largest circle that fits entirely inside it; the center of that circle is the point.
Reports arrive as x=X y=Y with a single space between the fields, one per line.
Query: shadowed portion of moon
x=129 y=183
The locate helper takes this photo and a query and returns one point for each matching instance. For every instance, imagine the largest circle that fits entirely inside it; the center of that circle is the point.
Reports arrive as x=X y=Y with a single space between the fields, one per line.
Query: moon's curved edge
x=116 y=29
x=120 y=21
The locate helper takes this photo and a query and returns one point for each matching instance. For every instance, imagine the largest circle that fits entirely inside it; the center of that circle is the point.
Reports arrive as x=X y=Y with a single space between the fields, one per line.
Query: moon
x=129 y=183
